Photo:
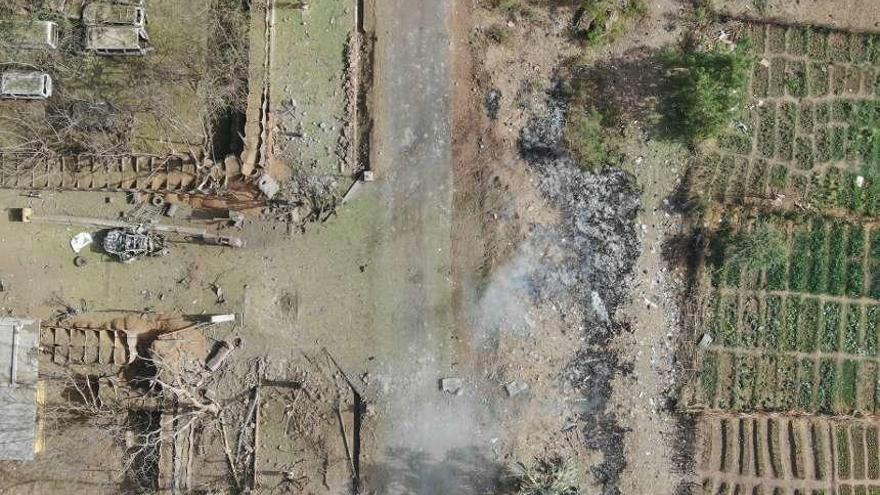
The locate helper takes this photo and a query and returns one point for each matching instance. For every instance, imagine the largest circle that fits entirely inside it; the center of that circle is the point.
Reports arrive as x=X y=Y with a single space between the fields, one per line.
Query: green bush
x=708 y=89
x=584 y=136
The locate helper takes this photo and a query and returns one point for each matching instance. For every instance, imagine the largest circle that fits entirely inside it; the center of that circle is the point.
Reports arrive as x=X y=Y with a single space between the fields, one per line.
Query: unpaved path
x=425 y=441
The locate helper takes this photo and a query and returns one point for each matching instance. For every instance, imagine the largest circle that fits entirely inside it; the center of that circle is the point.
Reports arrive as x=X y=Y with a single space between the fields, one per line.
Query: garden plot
x=787 y=376
x=802 y=336
x=809 y=132
x=781 y=454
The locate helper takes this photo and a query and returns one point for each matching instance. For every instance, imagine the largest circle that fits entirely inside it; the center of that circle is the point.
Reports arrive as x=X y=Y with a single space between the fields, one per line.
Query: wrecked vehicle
x=25 y=86
x=130 y=244
x=117 y=40
x=29 y=35
x=111 y=14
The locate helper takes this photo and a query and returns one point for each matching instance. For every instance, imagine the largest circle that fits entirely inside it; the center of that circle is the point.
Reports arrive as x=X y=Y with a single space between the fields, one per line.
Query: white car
x=31 y=35
x=117 y=40
x=112 y=14
x=16 y=85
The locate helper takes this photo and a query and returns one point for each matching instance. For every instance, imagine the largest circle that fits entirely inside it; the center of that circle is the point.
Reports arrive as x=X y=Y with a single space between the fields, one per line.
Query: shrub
x=499 y=34
x=707 y=90
x=585 y=138
x=604 y=20
x=551 y=476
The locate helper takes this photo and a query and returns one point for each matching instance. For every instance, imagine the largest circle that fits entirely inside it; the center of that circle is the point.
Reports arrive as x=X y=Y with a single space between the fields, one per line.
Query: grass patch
x=545 y=476
x=792 y=311
x=709 y=376
x=872 y=326
x=762 y=249
x=800 y=262
x=817 y=283
x=585 y=137
x=773 y=321
x=873 y=452
x=603 y=21
x=500 y=34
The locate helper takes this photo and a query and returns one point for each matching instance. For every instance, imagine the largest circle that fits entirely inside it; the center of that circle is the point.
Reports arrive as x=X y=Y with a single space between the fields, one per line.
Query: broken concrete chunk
x=222 y=318
x=268 y=186
x=706 y=341
x=80 y=241
x=515 y=388
x=221 y=352
x=451 y=385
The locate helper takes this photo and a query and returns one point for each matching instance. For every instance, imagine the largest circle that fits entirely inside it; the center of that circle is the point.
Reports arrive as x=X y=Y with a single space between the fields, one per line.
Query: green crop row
x=873 y=452
x=858 y=451
x=843 y=464
x=827 y=259
x=793 y=323
x=845 y=190
x=874 y=264
x=771 y=382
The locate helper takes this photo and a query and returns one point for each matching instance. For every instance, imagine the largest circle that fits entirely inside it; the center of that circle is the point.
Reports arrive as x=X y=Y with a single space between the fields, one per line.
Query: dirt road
x=424 y=437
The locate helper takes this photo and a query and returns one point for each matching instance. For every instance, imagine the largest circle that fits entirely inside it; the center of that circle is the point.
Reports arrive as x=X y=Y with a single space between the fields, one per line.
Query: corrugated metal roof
x=19 y=366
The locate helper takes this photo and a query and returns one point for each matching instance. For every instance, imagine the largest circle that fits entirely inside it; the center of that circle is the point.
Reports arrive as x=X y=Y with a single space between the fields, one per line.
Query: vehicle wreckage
x=131 y=243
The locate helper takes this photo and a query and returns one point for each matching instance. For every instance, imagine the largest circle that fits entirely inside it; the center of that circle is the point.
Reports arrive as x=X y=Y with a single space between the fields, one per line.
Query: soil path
x=427 y=441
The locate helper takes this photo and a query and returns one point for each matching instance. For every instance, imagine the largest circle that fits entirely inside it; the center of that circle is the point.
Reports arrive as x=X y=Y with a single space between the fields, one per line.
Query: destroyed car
x=33 y=35
x=117 y=40
x=110 y=14
x=130 y=244
x=18 y=85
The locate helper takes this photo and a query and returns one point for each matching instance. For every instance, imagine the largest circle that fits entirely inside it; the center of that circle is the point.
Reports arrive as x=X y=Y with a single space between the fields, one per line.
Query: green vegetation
x=843 y=466
x=708 y=90
x=585 y=137
x=762 y=249
x=603 y=21
x=514 y=9
x=550 y=476
x=499 y=33
x=710 y=376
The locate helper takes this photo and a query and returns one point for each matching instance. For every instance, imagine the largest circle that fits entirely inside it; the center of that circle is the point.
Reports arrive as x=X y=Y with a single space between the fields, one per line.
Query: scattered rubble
x=80 y=241
x=515 y=388
x=451 y=385
x=600 y=242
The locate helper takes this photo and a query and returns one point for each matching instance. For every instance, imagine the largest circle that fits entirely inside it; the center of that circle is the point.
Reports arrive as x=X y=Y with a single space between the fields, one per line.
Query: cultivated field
x=787 y=362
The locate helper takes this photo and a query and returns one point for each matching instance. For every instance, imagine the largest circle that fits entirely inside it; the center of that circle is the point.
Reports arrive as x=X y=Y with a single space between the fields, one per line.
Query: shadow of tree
x=462 y=471
x=624 y=88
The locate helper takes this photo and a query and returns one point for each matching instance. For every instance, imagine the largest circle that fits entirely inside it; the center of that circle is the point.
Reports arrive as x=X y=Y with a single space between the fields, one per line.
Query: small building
x=35 y=35
x=117 y=40
x=17 y=85
x=19 y=363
